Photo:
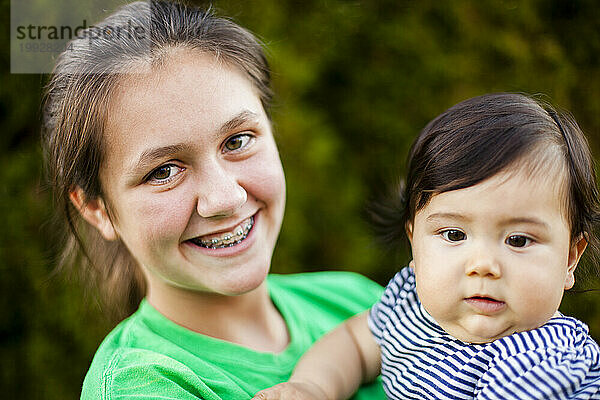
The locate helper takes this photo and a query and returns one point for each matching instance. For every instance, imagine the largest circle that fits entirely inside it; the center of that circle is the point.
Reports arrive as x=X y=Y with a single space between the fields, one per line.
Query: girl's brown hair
x=133 y=39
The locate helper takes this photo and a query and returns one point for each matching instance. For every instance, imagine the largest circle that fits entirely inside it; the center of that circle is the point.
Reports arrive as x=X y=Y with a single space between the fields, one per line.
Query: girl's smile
x=227 y=242
x=226 y=237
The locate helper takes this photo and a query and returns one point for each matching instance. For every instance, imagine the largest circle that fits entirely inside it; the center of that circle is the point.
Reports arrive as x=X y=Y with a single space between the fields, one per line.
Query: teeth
x=227 y=239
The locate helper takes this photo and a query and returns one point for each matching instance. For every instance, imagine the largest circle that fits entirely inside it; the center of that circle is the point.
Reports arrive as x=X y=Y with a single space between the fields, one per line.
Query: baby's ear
x=409 y=231
x=575 y=252
x=93 y=211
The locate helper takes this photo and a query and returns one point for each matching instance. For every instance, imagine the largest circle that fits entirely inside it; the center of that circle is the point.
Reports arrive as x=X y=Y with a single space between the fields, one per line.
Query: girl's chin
x=236 y=283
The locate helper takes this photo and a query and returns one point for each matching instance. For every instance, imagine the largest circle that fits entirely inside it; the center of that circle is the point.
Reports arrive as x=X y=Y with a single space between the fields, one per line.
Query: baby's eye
x=238 y=142
x=454 y=235
x=518 y=241
x=163 y=174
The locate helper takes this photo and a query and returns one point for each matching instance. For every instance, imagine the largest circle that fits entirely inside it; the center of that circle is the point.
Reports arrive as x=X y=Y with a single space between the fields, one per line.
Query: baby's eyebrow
x=527 y=220
x=446 y=215
x=508 y=221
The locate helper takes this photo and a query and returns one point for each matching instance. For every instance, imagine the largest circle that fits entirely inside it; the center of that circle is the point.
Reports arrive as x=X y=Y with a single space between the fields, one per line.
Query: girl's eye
x=518 y=241
x=164 y=174
x=454 y=235
x=238 y=142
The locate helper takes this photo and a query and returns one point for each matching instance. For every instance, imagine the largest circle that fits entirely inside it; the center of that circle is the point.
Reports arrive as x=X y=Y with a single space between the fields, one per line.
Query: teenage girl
x=161 y=153
x=500 y=203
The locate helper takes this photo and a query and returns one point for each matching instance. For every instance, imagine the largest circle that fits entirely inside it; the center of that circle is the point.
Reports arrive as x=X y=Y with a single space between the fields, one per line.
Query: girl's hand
x=292 y=391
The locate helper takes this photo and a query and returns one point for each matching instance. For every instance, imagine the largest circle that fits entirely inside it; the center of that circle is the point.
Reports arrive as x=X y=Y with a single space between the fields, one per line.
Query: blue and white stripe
x=420 y=361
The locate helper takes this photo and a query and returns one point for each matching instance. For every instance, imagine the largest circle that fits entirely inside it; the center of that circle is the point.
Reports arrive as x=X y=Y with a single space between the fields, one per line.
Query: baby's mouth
x=226 y=239
x=486 y=304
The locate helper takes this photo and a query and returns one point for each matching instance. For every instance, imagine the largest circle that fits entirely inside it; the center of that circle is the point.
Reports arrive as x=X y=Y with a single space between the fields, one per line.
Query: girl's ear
x=575 y=253
x=94 y=212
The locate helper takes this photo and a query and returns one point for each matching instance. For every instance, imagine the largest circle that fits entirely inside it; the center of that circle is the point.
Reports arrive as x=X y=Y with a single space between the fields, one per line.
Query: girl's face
x=192 y=177
x=494 y=258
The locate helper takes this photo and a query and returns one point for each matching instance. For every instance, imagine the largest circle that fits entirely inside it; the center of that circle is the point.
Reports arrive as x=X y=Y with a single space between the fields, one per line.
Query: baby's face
x=494 y=258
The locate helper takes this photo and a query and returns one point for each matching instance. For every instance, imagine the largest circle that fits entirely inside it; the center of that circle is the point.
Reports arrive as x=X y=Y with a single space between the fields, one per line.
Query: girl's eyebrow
x=238 y=120
x=150 y=156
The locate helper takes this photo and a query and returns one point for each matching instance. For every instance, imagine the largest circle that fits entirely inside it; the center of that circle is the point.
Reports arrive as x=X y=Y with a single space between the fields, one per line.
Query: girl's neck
x=250 y=320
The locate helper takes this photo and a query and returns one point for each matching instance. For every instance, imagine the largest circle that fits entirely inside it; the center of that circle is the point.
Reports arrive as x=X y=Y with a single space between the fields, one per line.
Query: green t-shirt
x=148 y=356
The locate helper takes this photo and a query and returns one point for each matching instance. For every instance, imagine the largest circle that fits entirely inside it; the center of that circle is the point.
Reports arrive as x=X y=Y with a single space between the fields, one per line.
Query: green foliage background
x=355 y=82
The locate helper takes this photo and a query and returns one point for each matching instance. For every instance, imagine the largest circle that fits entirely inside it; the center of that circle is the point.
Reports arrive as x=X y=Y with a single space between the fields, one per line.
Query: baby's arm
x=334 y=367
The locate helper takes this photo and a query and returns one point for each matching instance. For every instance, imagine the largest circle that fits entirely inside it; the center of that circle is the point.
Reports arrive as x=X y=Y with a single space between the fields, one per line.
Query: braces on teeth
x=228 y=239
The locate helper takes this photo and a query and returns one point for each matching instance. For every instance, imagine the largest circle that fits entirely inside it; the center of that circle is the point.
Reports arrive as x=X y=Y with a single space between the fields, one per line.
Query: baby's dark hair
x=482 y=136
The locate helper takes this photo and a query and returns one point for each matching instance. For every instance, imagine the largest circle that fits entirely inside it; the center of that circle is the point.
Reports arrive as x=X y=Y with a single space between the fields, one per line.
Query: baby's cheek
x=443 y=283
x=435 y=295
x=536 y=303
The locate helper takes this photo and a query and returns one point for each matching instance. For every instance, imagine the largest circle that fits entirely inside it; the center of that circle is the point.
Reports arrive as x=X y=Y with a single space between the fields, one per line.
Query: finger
x=265 y=395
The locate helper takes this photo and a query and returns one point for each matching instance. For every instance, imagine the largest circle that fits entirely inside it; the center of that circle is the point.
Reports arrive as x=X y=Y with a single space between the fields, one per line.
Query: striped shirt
x=420 y=361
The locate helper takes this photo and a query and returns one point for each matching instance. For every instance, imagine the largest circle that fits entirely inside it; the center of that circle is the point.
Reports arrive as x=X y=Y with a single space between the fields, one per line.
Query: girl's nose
x=220 y=194
x=483 y=265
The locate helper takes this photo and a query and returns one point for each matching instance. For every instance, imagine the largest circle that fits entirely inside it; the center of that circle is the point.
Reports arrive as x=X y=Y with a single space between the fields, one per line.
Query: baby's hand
x=291 y=391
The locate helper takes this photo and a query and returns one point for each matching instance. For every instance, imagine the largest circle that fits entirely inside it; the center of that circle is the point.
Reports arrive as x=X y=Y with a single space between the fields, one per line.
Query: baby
x=499 y=203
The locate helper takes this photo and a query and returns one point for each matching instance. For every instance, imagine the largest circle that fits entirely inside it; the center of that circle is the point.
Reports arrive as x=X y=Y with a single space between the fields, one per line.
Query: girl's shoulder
x=326 y=287
x=149 y=356
x=315 y=302
x=143 y=372
x=122 y=365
